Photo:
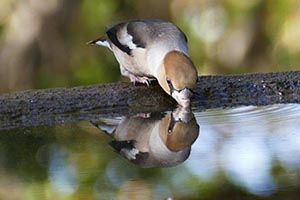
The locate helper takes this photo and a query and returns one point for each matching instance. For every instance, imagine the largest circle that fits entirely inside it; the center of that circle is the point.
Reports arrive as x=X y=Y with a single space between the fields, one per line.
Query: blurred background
x=43 y=43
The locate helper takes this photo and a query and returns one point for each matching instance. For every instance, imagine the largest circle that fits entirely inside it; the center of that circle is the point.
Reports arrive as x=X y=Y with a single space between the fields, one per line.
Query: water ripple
x=274 y=113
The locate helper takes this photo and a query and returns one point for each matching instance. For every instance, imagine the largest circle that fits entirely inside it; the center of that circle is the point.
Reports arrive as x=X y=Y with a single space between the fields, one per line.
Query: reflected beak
x=183 y=97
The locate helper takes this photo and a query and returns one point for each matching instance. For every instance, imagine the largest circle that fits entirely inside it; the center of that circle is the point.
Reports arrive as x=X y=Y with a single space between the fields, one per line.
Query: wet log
x=47 y=106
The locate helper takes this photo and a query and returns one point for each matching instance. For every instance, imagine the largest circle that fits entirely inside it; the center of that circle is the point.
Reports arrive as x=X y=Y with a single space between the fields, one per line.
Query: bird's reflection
x=153 y=139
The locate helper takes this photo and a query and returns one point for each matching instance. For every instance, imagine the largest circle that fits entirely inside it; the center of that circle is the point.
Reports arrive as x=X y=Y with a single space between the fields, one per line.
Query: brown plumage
x=153 y=49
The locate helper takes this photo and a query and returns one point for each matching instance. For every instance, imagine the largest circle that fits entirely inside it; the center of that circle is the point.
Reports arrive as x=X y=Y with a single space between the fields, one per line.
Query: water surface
x=245 y=152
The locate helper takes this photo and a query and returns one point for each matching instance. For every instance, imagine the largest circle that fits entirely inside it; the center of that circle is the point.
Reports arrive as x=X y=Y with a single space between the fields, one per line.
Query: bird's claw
x=143 y=79
x=143 y=115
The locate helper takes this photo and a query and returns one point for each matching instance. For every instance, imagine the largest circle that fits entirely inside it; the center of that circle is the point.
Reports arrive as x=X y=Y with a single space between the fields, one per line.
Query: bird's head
x=178 y=77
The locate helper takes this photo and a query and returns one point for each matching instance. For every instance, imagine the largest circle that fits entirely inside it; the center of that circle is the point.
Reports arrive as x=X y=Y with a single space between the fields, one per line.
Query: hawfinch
x=153 y=49
x=158 y=140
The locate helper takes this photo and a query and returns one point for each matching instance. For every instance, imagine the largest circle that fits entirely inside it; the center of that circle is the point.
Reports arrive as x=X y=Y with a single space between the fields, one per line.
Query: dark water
x=239 y=153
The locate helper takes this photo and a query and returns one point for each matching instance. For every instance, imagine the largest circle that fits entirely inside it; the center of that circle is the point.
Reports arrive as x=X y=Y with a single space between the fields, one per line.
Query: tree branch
x=40 y=107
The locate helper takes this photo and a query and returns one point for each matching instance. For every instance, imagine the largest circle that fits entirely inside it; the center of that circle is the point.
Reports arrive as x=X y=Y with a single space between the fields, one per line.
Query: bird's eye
x=169 y=81
x=171 y=124
x=170 y=86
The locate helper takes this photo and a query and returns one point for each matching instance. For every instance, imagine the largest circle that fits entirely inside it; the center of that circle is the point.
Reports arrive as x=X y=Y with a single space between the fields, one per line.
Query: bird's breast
x=136 y=63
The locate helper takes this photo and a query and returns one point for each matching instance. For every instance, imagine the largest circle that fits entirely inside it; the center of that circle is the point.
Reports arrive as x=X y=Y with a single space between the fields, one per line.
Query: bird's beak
x=183 y=97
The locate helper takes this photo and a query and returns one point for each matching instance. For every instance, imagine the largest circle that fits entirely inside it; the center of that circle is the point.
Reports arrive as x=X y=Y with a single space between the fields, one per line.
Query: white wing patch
x=125 y=38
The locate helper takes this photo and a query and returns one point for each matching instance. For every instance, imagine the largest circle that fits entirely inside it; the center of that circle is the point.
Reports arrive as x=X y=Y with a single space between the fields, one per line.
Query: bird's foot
x=143 y=115
x=144 y=80
x=139 y=79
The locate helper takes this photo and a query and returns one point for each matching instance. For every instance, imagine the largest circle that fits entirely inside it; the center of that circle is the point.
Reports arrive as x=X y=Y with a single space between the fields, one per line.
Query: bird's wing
x=108 y=125
x=118 y=35
x=128 y=36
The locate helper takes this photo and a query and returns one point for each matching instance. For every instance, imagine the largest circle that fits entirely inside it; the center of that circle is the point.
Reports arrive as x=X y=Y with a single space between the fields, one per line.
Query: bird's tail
x=102 y=41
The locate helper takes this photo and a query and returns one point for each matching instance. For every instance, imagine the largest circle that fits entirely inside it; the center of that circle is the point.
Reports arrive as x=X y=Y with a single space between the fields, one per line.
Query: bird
x=153 y=48
x=154 y=139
